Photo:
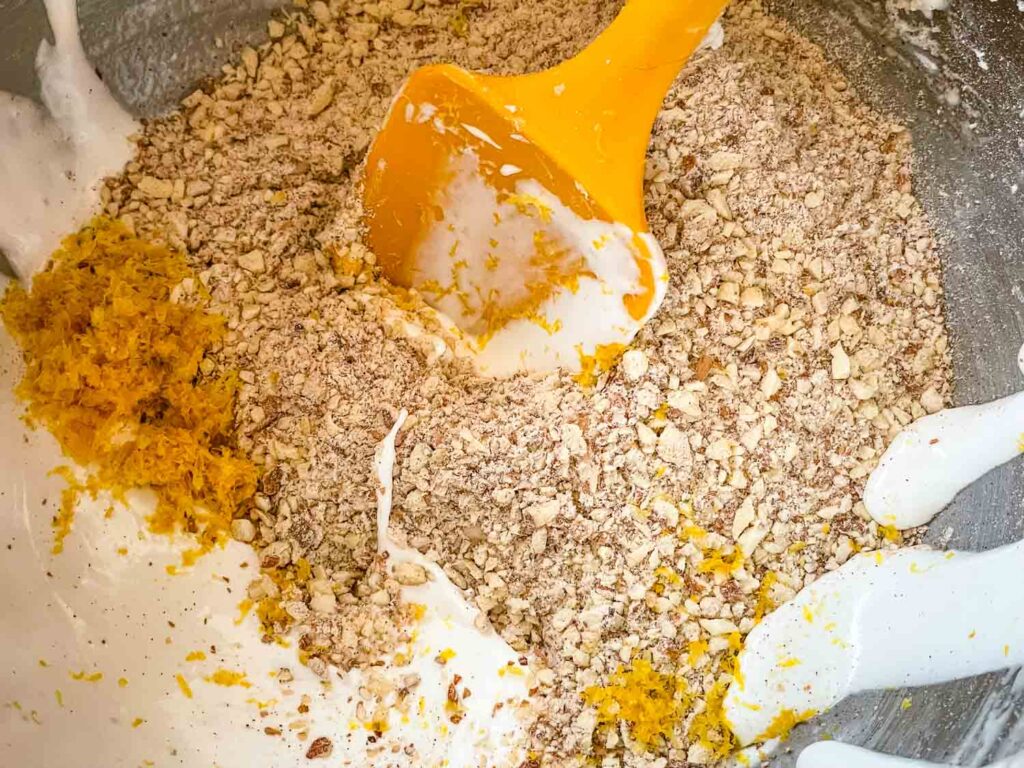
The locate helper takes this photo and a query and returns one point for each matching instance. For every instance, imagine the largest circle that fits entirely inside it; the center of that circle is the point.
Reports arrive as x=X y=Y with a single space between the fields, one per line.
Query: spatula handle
x=632 y=63
x=595 y=111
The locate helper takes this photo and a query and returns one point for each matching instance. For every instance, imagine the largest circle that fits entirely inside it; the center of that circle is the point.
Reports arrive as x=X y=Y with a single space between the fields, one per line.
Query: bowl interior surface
x=969 y=175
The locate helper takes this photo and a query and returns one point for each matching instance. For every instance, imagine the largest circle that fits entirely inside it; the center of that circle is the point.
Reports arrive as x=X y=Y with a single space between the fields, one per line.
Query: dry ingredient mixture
x=625 y=535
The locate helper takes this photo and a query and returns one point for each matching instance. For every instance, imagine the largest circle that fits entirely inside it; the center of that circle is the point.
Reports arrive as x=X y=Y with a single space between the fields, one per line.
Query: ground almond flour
x=625 y=537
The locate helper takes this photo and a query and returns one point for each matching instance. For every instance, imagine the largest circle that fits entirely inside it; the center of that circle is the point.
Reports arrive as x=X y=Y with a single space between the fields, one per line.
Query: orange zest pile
x=652 y=703
x=112 y=370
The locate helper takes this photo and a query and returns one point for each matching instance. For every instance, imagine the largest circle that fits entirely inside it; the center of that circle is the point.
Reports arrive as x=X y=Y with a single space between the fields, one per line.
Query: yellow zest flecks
x=260 y=703
x=789 y=663
x=891 y=534
x=112 y=370
x=42 y=663
x=784 y=722
x=244 y=607
x=27 y=716
x=87 y=677
x=137 y=722
x=710 y=728
x=434 y=288
x=60 y=698
x=190 y=556
x=196 y=656
x=274 y=619
x=183 y=685
x=666 y=574
x=592 y=366
x=720 y=564
x=550 y=268
x=446 y=655
x=907 y=703
x=550 y=328
x=808 y=614
x=344 y=264
x=272 y=615
x=765 y=604
x=530 y=205
x=228 y=678
x=122 y=682
x=1020 y=443
x=65 y=517
x=510 y=669
x=417 y=611
x=696 y=651
x=377 y=725
x=651 y=703
x=303 y=570
x=691 y=532
x=1006 y=650
x=972 y=634
x=659 y=418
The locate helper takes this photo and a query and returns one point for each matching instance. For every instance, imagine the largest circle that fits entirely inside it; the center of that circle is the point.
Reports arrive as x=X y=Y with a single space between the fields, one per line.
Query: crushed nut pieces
x=320 y=747
x=642 y=526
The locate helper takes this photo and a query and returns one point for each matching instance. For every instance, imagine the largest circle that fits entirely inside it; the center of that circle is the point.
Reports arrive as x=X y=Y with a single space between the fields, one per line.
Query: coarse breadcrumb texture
x=659 y=512
x=112 y=370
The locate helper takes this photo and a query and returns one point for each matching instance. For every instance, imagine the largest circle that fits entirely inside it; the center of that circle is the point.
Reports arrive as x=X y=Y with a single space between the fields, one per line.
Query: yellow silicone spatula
x=515 y=204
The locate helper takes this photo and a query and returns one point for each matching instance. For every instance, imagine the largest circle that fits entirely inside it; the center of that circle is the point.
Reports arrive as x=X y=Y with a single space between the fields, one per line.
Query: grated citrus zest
x=653 y=704
x=112 y=370
x=783 y=723
x=228 y=678
x=592 y=366
x=765 y=603
x=710 y=728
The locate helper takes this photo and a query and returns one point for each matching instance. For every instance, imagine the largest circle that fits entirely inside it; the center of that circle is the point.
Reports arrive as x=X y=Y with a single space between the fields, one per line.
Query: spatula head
x=466 y=206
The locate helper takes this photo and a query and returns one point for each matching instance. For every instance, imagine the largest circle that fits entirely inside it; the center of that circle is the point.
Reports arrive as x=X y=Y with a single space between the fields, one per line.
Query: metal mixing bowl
x=967 y=122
